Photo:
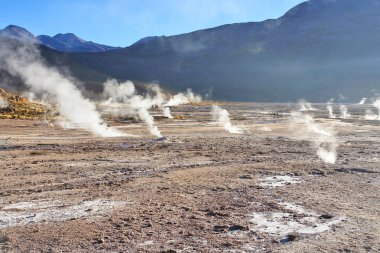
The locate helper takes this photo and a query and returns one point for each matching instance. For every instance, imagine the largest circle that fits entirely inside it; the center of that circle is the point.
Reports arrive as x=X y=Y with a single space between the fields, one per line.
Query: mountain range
x=67 y=42
x=317 y=50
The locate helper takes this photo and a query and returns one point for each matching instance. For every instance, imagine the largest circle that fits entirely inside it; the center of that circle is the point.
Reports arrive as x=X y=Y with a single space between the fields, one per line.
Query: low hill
x=13 y=106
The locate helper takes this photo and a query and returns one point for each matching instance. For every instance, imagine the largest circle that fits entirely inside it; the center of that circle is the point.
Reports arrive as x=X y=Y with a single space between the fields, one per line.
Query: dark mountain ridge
x=317 y=50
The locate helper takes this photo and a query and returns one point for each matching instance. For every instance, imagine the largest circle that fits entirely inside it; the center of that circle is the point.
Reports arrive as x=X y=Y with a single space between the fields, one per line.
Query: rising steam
x=344 y=112
x=323 y=138
x=330 y=110
x=305 y=106
x=180 y=99
x=362 y=102
x=184 y=98
x=370 y=115
x=223 y=118
x=126 y=95
x=377 y=105
x=27 y=63
x=3 y=103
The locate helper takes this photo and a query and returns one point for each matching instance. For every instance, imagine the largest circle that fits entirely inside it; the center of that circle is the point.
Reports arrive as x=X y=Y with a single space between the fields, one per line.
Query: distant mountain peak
x=65 y=42
x=9 y=27
x=68 y=37
x=146 y=39
x=73 y=43
x=17 y=32
x=329 y=7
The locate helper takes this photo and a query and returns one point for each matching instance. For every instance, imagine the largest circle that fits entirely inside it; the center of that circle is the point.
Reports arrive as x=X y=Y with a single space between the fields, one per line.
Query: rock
x=99 y=241
x=290 y=238
x=163 y=138
x=227 y=244
x=246 y=177
x=237 y=228
x=4 y=238
x=220 y=229
x=326 y=216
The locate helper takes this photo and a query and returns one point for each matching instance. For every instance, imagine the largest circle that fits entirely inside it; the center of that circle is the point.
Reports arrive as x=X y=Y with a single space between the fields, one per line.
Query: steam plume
x=370 y=115
x=3 y=103
x=330 y=111
x=362 y=102
x=377 y=105
x=305 y=106
x=167 y=113
x=344 y=112
x=26 y=62
x=223 y=118
x=180 y=99
x=323 y=138
x=137 y=105
x=183 y=98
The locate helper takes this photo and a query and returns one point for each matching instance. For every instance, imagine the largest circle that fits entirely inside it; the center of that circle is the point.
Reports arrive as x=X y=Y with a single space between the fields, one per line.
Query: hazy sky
x=123 y=22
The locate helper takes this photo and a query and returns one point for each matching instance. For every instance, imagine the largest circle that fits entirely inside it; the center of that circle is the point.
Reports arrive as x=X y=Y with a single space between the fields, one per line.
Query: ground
x=199 y=190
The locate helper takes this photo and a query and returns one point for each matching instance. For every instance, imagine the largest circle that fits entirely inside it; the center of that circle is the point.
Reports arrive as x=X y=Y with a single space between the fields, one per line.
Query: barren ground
x=200 y=190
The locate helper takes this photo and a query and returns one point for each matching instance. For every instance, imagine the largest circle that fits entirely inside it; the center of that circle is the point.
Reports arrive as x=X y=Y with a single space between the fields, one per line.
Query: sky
x=123 y=22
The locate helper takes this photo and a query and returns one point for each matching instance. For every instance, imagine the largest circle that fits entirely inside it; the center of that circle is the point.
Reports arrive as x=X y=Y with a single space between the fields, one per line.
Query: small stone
x=326 y=216
x=292 y=237
x=99 y=241
x=237 y=228
x=219 y=229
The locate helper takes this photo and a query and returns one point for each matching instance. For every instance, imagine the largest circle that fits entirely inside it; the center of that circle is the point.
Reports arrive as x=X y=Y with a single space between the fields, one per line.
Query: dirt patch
x=198 y=190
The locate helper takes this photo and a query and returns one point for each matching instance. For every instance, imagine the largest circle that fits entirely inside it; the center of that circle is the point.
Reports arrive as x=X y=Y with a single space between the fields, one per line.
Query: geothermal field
x=207 y=177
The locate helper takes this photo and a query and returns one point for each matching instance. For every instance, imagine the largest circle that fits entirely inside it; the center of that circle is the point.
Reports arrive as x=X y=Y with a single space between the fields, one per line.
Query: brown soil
x=193 y=192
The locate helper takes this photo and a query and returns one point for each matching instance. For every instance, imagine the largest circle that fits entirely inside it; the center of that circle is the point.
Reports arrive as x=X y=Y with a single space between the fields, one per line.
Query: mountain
x=68 y=42
x=16 y=32
x=88 y=80
x=317 y=50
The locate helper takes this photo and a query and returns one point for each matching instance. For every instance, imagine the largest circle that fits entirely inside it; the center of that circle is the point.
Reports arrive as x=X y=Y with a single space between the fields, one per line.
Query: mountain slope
x=88 y=80
x=16 y=32
x=69 y=42
x=91 y=81
x=317 y=50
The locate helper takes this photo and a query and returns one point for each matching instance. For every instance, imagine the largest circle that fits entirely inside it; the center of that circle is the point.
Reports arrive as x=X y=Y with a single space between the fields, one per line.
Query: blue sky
x=123 y=22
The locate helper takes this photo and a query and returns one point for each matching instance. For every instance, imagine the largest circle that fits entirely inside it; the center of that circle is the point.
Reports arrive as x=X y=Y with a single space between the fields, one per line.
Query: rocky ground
x=199 y=190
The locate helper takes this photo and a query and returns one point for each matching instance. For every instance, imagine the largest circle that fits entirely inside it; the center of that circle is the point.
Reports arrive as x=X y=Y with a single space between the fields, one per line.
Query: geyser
x=370 y=115
x=125 y=94
x=330 y=110
x=180 y=99
x=183 y=98
x=362 y=102
x=305 y=106
x=223 y=118
x=344 y=112
x=323 y=138
x=25 y=61
x=377 y=105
